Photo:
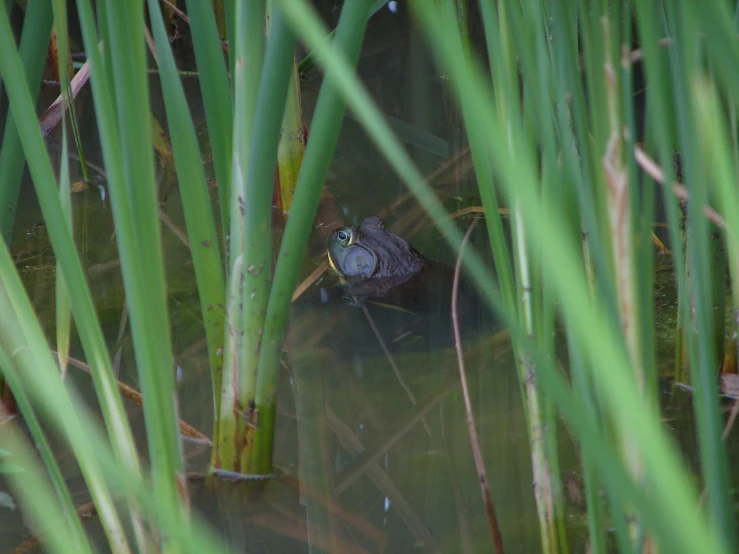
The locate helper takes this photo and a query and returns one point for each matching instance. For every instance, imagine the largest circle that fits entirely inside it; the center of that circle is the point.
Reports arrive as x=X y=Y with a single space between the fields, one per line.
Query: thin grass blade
x=33 y=45
x=201 y=226
x=61 y=239
x=216 y=96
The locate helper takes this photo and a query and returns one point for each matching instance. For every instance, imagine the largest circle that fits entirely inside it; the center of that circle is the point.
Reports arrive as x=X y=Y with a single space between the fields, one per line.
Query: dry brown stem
x=653 y=169
x=476 y=450
x=53 y=114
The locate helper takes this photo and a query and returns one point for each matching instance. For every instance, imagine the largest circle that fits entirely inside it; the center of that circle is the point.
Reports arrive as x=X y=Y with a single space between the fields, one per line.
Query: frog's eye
x=344 y=236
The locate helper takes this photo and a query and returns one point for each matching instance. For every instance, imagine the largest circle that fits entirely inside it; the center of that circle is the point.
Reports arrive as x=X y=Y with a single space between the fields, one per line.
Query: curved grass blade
x=62 y=302
x=34 y=43
x=201 y=227
x=216 y=96
x=291 y=149
x=82 y=305
x=64 y=507
x=34 y=370
x=51 y=519
x=121 y=90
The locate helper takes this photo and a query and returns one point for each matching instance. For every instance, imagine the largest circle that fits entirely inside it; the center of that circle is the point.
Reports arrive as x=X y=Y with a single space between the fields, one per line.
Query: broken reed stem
x=617 y=190
x=653 y=169
x=476 y=451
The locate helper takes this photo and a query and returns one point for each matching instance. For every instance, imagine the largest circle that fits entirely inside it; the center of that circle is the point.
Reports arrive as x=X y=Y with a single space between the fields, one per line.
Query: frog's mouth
x=332 y=264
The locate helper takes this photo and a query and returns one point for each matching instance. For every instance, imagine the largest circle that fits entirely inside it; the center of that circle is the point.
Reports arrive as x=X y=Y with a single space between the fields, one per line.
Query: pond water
x=382 y=441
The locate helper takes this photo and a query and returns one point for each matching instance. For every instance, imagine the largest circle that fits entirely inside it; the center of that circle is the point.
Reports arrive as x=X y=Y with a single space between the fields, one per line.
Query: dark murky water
x=396 y=483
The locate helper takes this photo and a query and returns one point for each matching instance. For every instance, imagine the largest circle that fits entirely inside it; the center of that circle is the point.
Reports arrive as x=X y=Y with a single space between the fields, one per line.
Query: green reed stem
x=201 y=226
x=701 y=331
x=324 y=135
x=247 y=59
x=217 y=101
x=250 y=456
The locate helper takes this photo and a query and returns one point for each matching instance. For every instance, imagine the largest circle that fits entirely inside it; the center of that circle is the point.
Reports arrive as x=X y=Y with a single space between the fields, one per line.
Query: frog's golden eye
x=344 y=236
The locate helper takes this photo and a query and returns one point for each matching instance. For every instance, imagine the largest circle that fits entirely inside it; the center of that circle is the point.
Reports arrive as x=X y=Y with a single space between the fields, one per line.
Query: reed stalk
x=325 y=129
x=248 y=448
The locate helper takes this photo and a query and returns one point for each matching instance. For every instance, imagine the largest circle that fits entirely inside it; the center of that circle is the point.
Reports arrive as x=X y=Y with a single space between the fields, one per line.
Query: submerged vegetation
x=585 y=123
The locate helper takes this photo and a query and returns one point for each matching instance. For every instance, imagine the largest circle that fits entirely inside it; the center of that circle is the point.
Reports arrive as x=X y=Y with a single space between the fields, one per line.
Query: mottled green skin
x=370 y=260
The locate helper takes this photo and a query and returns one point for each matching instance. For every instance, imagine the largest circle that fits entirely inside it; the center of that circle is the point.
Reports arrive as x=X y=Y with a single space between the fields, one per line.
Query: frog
x=370 y=261
x=379 y=283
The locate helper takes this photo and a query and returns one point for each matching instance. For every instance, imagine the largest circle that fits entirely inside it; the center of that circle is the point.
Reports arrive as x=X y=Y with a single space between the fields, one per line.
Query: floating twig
x=186 y=430
x=53 y=114
x=382 y=481
x=312 y=278
x=391 y=360
x=390 y=437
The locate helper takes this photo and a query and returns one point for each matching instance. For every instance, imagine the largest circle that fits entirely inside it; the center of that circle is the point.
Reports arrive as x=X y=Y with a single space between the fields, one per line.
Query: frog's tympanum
x=370 y=260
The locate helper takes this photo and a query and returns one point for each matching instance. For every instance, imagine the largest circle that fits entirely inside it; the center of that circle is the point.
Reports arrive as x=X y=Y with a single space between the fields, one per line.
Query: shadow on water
x=373 y=451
